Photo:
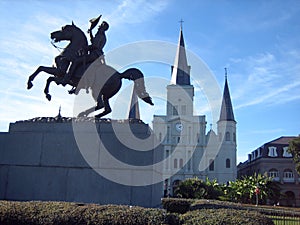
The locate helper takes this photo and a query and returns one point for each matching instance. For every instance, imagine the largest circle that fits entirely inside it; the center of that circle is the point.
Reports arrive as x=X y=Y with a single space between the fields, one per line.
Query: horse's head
x=65 y=34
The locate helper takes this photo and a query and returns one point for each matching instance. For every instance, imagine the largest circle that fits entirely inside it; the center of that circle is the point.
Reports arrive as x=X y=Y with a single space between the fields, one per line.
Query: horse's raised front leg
x=50 y=70
x=46 y=90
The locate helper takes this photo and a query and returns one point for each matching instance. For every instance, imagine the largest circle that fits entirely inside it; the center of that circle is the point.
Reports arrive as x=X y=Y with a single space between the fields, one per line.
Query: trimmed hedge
x=64 y=213
x=210 y=212
x=177 y=205
x=224 y=217
x=58 y=213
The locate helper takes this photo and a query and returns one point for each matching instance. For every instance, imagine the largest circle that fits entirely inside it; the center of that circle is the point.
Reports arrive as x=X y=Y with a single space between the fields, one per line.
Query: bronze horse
x=104 y=84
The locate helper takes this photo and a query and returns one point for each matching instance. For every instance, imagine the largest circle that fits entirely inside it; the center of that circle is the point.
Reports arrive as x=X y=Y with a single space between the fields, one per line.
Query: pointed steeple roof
x=226 y=108
x=180 y=69
x=134 y=111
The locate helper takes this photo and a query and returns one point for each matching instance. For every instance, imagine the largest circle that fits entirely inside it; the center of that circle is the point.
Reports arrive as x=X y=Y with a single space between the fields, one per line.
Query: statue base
x=40 y=160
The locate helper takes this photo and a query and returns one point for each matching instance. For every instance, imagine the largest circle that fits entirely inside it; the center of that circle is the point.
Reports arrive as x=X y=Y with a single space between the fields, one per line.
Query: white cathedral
x=188 y=150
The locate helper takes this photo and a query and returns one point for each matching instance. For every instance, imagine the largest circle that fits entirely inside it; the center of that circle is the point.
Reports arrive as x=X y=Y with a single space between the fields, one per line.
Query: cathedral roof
x=226 y=113
x=180 y=69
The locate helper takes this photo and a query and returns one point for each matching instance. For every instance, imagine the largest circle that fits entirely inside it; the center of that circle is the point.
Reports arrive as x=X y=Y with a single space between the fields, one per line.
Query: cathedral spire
x=226 y=108
x=180 y=69
x=134 y=111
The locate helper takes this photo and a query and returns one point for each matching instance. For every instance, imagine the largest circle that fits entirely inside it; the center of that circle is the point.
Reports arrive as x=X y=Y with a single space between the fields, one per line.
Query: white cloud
x=136 y=11
x=266 y=79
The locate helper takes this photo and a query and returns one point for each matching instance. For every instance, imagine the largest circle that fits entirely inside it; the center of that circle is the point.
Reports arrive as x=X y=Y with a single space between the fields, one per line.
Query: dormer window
x=272 y=152
x=286 y=153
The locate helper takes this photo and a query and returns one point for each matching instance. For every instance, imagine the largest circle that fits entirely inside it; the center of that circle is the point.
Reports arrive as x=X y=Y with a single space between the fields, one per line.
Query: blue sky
x=258 y=41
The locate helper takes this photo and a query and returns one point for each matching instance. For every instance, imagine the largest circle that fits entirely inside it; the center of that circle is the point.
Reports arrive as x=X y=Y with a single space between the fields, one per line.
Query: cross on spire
x=225 y=73
x=181 y=22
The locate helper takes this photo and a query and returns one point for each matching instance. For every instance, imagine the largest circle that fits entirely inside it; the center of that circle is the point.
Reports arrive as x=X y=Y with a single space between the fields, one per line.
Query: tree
x=196 y=188
x=294 y=149
x=244 y=190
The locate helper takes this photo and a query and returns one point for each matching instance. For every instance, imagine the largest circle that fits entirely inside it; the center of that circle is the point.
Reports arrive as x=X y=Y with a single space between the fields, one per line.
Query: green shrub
x=176 y=205
x=204 y=212
x=224 y=217
x=196 y=188
x=54 y=213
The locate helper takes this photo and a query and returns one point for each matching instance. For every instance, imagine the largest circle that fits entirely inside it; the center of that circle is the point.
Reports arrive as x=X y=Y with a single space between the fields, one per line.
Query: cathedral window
x=234 y=137
x=190 y=160
x=180 y=163
x=286 y=153
x=175 y=110
x=211 y=165
x=178 y=139
x=183 y=109
x=227 y=163
x=175 y=163
x=168 y=134
x=272 y=152
x=167 y=160
x=227 y=137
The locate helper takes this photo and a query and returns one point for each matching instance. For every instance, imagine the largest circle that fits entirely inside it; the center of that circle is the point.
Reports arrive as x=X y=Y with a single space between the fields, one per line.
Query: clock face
x=179 y=127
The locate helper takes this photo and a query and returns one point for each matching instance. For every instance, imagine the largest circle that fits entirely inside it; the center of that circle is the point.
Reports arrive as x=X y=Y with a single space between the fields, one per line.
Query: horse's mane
x=82 y=34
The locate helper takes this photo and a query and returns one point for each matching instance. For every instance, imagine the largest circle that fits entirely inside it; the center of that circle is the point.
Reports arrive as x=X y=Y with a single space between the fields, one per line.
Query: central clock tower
x=181 y=133
x=188 y=150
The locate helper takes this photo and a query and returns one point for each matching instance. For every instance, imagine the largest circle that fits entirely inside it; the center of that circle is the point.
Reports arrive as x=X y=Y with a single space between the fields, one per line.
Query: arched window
x=198 y=138
x=227 y=163
x=190 y=160
x=160 y=137
x=167 y=161
x=211 y=165
x=234 y=137
x=227 y=136
x=175 y=110
x=180 y=163
x=290 y=198
x=168 y=134
x=175 y=163
x=288 y=175
x=274 y=174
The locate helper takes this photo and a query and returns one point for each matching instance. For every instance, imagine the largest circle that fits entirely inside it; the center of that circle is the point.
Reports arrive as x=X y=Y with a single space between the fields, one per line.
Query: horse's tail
x=139 y=85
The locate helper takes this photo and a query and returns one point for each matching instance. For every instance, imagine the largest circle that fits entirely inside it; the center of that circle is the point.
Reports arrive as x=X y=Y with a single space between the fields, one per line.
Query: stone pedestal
x=41 y=159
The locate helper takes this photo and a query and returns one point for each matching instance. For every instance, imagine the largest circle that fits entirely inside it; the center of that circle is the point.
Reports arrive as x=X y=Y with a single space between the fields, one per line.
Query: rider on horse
x=95 y=50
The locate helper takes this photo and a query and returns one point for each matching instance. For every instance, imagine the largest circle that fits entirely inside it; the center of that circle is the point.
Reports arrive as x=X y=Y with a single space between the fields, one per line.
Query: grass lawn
x=280 y=220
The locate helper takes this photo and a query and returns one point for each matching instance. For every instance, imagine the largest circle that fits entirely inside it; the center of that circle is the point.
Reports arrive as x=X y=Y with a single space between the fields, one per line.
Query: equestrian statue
x=83 y=67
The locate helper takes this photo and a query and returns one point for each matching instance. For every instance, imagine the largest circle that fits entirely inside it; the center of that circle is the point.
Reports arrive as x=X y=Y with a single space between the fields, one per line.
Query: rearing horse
x=104 y=81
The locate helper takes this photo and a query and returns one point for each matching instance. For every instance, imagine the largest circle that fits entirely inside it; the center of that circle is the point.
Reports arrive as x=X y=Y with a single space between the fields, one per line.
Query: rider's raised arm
x=91 y=36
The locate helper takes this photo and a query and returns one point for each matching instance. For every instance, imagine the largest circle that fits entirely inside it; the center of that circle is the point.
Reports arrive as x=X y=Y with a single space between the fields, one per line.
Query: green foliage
x=176 y=205
x=196 y=188
x=243 y=190
x=206 y=212
x=294 y=148
x=44 y=213
x=224 y=216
